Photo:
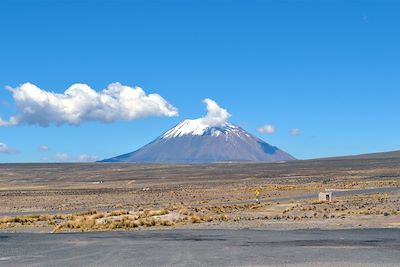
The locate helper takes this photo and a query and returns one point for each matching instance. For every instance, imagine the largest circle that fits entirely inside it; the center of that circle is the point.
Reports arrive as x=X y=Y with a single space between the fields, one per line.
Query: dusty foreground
x=360 y=248
x=103 y=197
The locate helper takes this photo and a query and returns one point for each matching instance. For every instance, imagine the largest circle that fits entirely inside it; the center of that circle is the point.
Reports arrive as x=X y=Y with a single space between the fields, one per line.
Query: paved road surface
x=369 y=247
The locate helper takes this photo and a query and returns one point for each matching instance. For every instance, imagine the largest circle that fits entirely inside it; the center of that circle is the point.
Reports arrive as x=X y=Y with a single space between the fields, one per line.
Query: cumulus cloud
x=216 y=116
x=43 y=148
x=2 y=122
x=267 y=129
x=10 y=122
x=80 y=103
x=45 y=159
x=295 y=132
x=62 y=157
x=5 y=149
x=86 y=158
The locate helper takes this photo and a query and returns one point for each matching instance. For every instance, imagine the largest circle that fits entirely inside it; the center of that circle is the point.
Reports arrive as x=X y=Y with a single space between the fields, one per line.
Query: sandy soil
x=90 y=197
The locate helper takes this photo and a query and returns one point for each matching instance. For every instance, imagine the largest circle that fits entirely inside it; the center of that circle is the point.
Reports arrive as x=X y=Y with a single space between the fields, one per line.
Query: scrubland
x=104 y=197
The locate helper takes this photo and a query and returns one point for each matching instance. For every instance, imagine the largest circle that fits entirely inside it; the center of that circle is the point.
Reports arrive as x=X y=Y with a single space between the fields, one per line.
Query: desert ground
x=102 y=214
x=119 y=196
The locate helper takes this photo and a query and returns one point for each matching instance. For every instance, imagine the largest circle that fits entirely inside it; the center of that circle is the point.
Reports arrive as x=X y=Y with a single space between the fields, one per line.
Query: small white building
x=325 y=196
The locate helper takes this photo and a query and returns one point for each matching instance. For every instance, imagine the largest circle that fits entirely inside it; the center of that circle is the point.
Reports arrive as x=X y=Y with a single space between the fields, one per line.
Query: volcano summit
x=208 y=139
x=193 y=142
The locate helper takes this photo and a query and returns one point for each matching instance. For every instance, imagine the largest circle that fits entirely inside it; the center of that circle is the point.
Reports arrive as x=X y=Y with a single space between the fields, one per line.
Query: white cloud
x=80 y=103
x=43 y=148
x=10 y=122
x=5 y=149
x=295 y=132
x=62 y=157
x=86 y=158
x=267 y=129
x=216 y=116
x=2 y=122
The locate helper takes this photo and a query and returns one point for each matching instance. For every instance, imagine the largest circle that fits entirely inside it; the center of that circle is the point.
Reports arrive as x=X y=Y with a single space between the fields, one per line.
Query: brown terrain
x=108 y=196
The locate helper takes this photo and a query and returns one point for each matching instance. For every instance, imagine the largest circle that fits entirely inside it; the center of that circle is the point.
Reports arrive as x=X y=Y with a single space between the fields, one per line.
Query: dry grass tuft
x=194 y=219
x=119 y=212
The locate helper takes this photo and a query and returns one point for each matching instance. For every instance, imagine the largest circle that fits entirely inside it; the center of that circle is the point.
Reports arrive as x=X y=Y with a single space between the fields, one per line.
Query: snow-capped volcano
x=208 y=139
x=198 y=127
x=193 y=141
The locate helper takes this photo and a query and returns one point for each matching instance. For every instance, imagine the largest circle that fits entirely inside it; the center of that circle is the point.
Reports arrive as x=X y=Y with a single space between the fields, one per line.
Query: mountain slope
x=378 y=155
x=192 y=141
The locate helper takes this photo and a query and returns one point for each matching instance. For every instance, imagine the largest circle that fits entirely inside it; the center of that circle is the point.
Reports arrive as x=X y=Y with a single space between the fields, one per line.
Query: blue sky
x=328 y=68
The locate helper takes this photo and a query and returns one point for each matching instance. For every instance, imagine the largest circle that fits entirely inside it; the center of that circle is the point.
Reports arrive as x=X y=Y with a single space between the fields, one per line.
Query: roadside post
x=258 y=192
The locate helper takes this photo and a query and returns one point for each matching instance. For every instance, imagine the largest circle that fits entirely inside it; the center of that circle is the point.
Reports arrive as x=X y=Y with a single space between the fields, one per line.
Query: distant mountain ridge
x=193 y=141
x=377 y=155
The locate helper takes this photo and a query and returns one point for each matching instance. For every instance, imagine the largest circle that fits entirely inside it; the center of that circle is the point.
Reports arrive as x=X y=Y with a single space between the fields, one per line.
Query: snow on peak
x=196 y=127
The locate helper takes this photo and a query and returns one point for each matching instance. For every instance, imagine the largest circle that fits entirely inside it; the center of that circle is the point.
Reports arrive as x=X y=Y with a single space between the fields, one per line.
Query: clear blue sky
x=328 y=68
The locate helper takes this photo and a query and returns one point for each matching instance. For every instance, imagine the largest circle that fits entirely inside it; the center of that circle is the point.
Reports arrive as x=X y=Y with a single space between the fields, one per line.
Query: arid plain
x=112 y=196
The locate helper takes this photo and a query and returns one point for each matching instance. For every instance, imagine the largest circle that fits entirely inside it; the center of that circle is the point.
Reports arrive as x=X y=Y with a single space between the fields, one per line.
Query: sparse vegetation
x=206 y=195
